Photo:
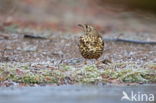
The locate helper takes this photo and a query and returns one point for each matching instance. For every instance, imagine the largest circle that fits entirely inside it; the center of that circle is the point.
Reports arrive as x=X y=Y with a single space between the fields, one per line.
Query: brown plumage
x=91 y=44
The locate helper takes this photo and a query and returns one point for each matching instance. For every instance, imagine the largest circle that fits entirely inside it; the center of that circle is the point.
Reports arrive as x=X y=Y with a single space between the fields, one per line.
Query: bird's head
x=88 y=29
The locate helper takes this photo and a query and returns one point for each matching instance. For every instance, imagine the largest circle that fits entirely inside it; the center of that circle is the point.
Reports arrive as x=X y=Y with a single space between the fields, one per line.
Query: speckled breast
x=91 y=47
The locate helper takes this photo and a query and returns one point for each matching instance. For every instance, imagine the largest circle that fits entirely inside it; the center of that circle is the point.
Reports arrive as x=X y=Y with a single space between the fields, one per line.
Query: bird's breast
x=91 y=46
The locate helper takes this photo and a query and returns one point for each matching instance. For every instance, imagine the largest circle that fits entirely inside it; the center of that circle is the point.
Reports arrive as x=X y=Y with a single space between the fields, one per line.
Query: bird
x=91 y=43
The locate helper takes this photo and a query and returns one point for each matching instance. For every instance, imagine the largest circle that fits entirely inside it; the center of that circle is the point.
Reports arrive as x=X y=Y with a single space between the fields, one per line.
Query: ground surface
x=54 y=58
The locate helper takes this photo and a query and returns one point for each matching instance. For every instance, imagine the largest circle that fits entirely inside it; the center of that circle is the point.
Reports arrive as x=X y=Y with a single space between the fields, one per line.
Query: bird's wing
x=101 y=40
x=81 y=41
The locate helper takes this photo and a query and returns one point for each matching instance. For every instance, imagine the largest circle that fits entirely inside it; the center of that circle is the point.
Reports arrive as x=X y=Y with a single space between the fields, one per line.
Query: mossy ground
x=116 y=73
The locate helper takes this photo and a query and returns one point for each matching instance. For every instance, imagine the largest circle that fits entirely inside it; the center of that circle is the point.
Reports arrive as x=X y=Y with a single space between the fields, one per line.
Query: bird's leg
x=91 y=62
x=85 y=62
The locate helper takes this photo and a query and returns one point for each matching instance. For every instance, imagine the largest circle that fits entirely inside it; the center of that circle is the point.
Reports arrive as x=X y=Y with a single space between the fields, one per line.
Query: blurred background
x=45 y=34
x=64 y=15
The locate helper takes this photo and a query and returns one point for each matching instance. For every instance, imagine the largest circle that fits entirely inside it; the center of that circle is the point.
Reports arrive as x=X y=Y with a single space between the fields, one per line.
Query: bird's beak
x=81 y=25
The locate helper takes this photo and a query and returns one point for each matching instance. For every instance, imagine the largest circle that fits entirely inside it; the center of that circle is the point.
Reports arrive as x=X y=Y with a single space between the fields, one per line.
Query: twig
x=34 y=36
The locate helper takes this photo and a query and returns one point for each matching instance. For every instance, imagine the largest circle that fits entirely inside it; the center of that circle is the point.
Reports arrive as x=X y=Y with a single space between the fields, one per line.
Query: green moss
x=151 y=66
x=31 y=78
x=87 y=74
x=66 y=67
x=57 y=76
x=126 y=72
x=109 y=74
x=131 y=76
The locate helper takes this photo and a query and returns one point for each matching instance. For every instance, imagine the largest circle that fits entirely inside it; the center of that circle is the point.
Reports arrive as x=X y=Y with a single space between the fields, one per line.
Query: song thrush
x=91 y=44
